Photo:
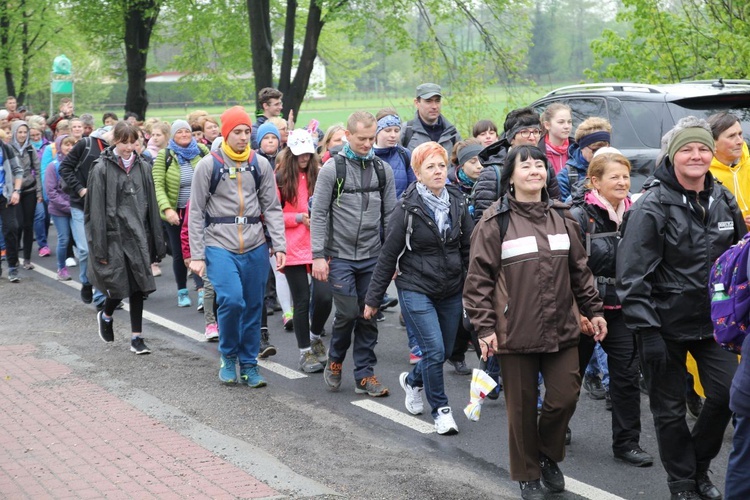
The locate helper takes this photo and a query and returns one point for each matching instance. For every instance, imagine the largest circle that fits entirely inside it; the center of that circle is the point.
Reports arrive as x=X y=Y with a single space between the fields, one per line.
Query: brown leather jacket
x=529 y=286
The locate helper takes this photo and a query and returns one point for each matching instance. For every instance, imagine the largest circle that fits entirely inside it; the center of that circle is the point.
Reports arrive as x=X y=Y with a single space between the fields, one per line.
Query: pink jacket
x=298 y=244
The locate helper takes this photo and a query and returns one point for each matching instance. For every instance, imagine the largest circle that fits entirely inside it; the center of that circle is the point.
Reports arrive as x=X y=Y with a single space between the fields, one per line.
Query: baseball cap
x=427 y=90
x=300 y=142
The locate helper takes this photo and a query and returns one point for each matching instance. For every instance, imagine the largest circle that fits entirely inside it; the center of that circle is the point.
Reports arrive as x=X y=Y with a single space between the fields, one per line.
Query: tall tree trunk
x=287 y=56
x=140 y=18
x=261 y=44
x=293 y=99
x=24 y=59
x=10 y=85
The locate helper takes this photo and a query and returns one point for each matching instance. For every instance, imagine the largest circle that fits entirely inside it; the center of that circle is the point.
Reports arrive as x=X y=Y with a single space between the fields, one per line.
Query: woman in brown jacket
x=526 y=302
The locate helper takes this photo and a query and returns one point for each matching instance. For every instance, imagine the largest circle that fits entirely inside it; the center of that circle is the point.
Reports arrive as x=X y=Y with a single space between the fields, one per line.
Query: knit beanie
x=688 y=135
x=268 y=128
x=179 y=125
x=232 y=118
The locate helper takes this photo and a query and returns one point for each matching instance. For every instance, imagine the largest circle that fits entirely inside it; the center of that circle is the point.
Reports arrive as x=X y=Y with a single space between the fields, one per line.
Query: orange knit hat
x=232 y=118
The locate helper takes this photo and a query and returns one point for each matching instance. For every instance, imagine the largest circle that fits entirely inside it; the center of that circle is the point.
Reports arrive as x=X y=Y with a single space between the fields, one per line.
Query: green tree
x=541 y=53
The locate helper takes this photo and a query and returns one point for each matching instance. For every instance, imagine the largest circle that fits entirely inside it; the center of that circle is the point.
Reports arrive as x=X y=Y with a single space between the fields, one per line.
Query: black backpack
x=338 y=188
x=168 y=157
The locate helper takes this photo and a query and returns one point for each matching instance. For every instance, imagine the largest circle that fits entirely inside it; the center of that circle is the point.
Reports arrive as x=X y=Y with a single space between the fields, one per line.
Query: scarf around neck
x=615 y=213
x=440 y=206
x=185 y=153
x=238 y=157
x=464 y=178
x=354 y=156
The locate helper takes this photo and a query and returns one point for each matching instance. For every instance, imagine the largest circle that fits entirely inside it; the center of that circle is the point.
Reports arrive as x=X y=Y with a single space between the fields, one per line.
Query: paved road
x=324 y=442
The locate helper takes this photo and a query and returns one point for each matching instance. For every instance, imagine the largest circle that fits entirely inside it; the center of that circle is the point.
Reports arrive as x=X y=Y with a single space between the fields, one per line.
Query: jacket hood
x=495 y=152
x=13 y=130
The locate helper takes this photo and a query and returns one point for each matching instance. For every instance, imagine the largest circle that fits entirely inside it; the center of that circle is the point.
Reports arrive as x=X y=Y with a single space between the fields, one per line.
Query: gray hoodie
x=13 y=170
x=350 y=228
x=234 y=197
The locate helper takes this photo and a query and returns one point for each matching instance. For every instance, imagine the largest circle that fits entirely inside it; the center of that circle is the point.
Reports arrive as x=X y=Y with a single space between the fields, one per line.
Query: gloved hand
x=654 y=350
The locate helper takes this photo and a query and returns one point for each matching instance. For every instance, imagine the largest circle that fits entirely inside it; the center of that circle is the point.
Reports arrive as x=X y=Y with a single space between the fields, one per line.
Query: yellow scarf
x=238 y=157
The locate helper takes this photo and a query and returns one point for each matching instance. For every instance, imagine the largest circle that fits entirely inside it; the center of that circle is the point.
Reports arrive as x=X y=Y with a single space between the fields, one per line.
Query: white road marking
x=395 y=416
x=588 y=491
x=281 y=369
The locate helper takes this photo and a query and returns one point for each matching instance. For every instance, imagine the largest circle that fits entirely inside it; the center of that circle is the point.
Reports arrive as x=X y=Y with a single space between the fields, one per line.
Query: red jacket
x=298 y=243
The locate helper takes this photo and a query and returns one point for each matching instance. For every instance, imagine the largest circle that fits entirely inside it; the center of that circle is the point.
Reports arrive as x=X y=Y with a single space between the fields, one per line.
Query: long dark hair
x=523 y=153
x=287 y=174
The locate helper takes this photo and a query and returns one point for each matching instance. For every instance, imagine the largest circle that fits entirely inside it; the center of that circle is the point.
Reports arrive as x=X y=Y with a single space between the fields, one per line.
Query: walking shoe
x=379 y=317
x=288 y=321
x=531 y=490
x=13 y=275
x=685 y=495
x=694 y=403
x=371 y=387
x=183 y=299
x=70 y=262
x=138 y=346
x=413 y=401
x=250 y=376
x=635 y=456
x=3 y=255
x=319 y=350
x=607 y=401
x=387 y=302
x=444 y=423
x=212 y=332
x=552 y=476
x=266 y=349
x=706 y=489
x=87 y=293
x=28 y=265
x=106 y=328
x=63 y=274
x=155 y=270
x=44 y=252
x=228 y=370
x=200 y=300
x=593 y=385
x=460 y=367
x=332 y=375
x=309 y=363
x=415 y=355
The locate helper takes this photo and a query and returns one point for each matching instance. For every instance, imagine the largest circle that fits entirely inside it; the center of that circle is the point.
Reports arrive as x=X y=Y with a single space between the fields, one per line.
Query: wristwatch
x=17 y=191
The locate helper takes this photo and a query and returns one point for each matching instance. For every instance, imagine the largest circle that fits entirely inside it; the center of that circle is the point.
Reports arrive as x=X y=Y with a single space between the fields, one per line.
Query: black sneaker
x=87 y=293
x=106 y=328
x=552 y=476
x=607 y=401
x=388 y=301
x=266 y=349
x=531 y=490
x=685 y=495
x=138 y=346
x=379 y=317
x=706 y=489
x=635 y=456
x=460 y=367
x=694 y=403
x=593 y=385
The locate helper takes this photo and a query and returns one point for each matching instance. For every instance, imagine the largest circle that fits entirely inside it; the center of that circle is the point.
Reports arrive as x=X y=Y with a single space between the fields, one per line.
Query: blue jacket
x=579 y=163
x=403 y=175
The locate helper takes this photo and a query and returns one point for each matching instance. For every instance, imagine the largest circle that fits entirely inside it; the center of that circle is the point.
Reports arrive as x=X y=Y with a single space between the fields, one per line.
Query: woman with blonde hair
x=593 y=133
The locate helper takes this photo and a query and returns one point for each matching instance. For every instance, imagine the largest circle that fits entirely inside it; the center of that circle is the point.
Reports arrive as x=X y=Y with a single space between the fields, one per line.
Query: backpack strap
x=167 y=159
x=404 y=157
x=217 y=174
x=497 y=178
x=339 y=187
x=408 y=220
x=592 y=235
x=572 y=177
x=408 y=134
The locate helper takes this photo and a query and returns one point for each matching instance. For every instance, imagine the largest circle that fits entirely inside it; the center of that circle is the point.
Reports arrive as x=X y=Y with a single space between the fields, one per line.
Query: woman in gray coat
x=123 y=230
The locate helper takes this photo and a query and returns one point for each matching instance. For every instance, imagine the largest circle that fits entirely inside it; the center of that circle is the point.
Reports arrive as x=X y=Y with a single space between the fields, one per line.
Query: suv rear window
x=649 y=121
x=704 y=107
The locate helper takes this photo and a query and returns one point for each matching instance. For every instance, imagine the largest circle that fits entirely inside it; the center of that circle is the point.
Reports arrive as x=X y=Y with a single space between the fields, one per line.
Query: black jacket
x=666 y=253
x=433 y=265
x=74 y=169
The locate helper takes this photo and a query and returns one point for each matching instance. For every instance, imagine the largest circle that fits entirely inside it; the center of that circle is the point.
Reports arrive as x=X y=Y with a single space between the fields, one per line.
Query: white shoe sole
x=405 y=387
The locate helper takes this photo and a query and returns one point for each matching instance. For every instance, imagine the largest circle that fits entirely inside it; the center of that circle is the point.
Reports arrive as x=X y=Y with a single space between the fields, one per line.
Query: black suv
x=641 y=114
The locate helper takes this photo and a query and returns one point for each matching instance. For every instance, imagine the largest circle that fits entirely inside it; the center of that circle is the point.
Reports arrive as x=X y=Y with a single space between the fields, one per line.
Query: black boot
x=266 y=349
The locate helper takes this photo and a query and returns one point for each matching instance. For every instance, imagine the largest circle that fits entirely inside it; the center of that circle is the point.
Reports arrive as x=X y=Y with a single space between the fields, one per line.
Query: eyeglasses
x=528 y=132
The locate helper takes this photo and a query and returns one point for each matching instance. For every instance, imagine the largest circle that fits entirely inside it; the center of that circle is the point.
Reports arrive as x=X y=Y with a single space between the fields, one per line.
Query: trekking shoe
x=266 y=349
x=288 y=321
x=706 y=489
x=319 y=350
x=332 y=375
x=593 y=385
x=413 y=401
x=531 y=490
x=228 y=370
x=694 y=403
x=444 y=423
x=183 y=299
x=635 y=456
x=200 y=301
x=371 y=387
x=13 y=275
x=685 y=495
x=155 y=270
x=552 y=476
x=309 y=363
x=63 y=274
x=415 y=355
x=460 y=367
x=87 y=293
x=212 y=332
x=250 y=376
x=138 y=346
x=3 y=255
x=70 y=262
x=387 y=302
x=380 y=317
x=607 y=401
x=28 y=265
x=44 y=252
x=106 y=328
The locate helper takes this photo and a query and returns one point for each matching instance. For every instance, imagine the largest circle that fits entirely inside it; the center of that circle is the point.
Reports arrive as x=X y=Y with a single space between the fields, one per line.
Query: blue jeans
x=78 y=232
x=62 y=225
x=435 y=323
x=598 y=363
x=737 y=486
x=41 y=224
x=240 y=283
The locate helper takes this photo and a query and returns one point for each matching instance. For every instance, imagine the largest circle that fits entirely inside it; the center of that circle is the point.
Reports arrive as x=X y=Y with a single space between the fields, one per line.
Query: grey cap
x=427 y=90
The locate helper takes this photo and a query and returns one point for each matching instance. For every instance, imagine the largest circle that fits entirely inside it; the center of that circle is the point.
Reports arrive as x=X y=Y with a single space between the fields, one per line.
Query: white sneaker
x=444 y=423
x=70 y=262
x=413 y=401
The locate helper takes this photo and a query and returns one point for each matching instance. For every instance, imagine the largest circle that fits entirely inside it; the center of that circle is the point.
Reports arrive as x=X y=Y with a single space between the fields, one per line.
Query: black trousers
x=623 y=379
x=684 y=452
x=299 y=287
x=10 y=230
x=25 y=213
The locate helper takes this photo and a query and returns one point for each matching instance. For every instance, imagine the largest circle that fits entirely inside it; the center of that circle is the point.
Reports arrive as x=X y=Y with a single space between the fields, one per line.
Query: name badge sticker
x=726 y=225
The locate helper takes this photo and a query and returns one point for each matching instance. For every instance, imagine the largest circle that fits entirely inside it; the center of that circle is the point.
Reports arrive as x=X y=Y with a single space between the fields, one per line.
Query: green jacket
x=167 y=181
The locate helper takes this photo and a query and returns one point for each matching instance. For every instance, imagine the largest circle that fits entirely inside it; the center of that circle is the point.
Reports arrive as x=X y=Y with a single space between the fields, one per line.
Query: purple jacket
x=59 y=201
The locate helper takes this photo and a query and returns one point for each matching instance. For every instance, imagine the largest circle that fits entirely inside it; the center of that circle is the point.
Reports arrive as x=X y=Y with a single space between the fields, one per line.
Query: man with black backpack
x=354 y=196
x=428 y=123
x=74 y=172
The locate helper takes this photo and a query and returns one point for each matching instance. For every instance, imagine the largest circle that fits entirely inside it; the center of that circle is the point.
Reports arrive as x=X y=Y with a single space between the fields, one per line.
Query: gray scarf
x=440 y=206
